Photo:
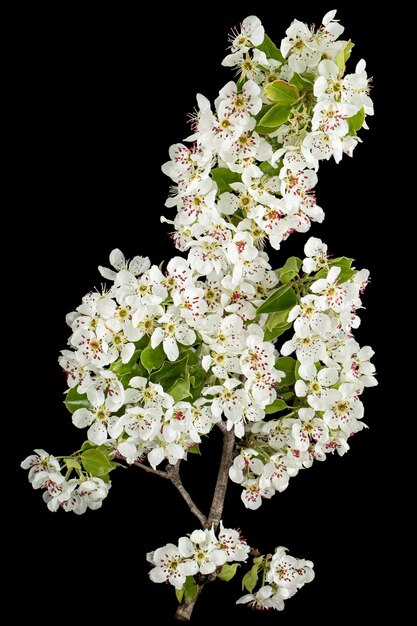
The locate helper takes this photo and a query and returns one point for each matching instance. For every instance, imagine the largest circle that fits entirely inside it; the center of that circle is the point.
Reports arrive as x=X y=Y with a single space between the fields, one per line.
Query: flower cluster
x=271 y=151
x=330 y=373
x=201 y=553
x=284 y=574
x=76 y=494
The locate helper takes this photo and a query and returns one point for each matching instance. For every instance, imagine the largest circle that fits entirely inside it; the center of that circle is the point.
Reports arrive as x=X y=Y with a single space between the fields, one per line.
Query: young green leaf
x=72 y=464
x=75 y=401
x=190 y=589
x=356 y=121
x=194 y=450
x=281 y=299
x=152 y=358
x=303 y=82
x=228 y=571
x=277 y=331
x=180 y=594
x=276 y=116
x=169 y=373
x=251 y=578
x=267 y=168
x=281 y=92
x=270 y=49
x=180 y=390
x=224 y=177
x=290 y=270
x=96 y=463
x=287 y=365
x=277 y=405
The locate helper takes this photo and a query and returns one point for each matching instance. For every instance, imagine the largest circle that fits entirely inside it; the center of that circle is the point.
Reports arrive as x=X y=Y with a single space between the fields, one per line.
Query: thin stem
x=219 y=496
x=173 y=474
x=185 y=610
x=160 y=473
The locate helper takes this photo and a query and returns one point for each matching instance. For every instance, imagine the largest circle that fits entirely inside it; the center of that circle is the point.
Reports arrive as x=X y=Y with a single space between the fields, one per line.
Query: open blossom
x=201 y=552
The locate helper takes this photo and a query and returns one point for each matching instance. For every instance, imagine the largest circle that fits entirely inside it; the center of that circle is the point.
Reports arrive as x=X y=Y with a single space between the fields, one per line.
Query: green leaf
x=277 y=405
x=170 y=372
x=121 y=369
x=348 y=49
x=356 y=121
x=290 y=270
x=190 y=589
x=303 y=82
x=265 y=130
x=267 y=168
x=75 y=401
x=288 y=395
x=180 y=594
x=281 y=92
x=224 y=177
x=152 y=358
x=276 y=116
x=228 y=571
x=287 y=365
x=270 y=49
x=279 y=318
x=340 y=61
x=250 y=578
x=87 y=445
x=72 y=464
x=345 y=266
x=180 y=390
x=342 y=261
x=276 y=332
x=281 y=299
x=195 y=449
x=96 y=463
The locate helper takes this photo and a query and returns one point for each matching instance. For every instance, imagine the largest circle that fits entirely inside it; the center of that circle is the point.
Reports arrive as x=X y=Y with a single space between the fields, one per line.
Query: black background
x=95 y=113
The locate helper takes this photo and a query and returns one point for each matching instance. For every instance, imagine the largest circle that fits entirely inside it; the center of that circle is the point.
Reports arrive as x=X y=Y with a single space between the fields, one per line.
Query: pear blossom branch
x=173 y=474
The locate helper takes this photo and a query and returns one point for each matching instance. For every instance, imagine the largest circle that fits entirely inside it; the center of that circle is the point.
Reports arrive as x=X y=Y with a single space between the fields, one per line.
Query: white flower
x=191 y=303
x=322 y=145
x=289 y=572
x=308 y=318
x=223 y=335
x=308 y=349
x=318 y=383
x=246 y=463
x=333 y=295
x=41 y=466
x=136 y=266
x=167 y=561
x=277 y=473
x=143 y=423
x=264 y=598
x=258 y=358
x=227 y=399
x=358 y=368
x=101 y=422
x=316 y=255
x=296 y=46
x=308 y=427
x=172 y=329
x=240 y=106
x=251 y=34
x=344 y=409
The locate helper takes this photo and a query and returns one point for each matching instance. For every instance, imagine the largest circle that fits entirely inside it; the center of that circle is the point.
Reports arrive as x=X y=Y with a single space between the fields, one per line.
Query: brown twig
x=160 y=473
x=219 y=495
x=173 y=473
